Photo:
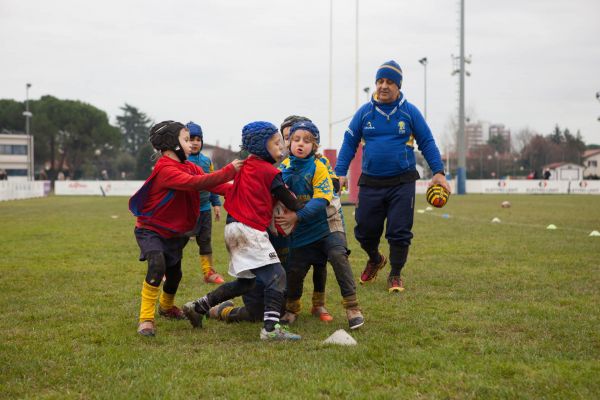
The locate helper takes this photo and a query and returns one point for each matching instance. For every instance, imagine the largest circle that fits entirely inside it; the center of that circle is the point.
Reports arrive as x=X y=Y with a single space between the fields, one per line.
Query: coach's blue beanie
x=390 y=70
x=194 y=128
x=255 y=136
x=307 y=126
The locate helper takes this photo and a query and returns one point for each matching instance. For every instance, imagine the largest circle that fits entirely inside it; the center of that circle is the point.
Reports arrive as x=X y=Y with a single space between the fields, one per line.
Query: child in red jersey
x=167 y=207
x=249 y=204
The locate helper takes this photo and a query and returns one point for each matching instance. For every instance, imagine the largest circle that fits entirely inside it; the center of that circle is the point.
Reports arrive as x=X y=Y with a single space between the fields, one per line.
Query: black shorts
x=151 y=241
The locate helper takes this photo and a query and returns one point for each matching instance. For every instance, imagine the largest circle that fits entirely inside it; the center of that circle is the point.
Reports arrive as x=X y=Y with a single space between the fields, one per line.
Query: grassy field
x=507 y=310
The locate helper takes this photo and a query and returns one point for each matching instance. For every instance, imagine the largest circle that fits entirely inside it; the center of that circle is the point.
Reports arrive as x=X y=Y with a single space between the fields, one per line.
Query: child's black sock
x=395 y=271
x=271 y=318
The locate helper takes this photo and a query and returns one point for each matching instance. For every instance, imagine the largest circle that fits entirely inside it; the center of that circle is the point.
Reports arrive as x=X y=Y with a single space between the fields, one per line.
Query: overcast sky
x=225 y=63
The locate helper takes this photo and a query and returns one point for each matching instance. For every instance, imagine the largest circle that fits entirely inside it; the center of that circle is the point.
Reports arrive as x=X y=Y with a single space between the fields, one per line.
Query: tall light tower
x=356 y=104
x=461 y=171
x=423 y=62
x=28 y=115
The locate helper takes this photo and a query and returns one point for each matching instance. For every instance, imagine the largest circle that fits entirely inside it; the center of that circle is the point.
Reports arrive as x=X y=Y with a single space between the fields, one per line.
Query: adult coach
x=388 y=125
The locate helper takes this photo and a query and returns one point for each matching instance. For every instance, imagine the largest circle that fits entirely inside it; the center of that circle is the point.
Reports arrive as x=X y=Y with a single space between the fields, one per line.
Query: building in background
x=591 y=162
x=500 y=130
x=14 y=155
x=563 y=171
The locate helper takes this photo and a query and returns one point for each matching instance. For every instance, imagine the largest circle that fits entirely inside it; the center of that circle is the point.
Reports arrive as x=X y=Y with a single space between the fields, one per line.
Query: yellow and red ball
x=437 y=196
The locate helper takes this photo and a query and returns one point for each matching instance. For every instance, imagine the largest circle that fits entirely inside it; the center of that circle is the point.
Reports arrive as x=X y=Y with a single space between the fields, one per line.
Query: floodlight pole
x=330 y=74
x=28 y=115
x=356 y=62
x=461 y=172
x=423 y=62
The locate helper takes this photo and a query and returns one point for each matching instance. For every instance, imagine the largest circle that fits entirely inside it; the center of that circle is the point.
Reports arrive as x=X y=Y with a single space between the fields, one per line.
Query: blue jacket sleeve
x=352 y=138
x=312 y=209
x=426 y=141
x=215 y=200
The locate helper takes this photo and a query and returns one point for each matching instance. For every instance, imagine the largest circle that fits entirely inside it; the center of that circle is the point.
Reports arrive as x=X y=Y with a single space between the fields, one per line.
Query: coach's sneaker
x=172 y=313
x=395 y=284
x=216 y=312
x=280 y=332
x=372 y=269
x=146 y=328
x=321 y=313
x=355 y=318
x=213 y=277
x=195 y=318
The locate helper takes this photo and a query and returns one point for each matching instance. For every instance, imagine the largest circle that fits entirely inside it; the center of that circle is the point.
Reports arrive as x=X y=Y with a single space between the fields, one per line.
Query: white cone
x=551 y=226
x=341 y=337
x=421 y=211
x=429 y=208
x=595 y=233
x=496 y=220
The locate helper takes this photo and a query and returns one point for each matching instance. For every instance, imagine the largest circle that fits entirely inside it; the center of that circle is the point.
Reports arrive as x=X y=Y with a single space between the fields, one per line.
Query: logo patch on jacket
x=369 y=125
x=402 y=127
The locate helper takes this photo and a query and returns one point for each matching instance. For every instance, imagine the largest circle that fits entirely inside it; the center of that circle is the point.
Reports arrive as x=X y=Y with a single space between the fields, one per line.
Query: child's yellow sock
x=166 y=301
x=318 y=299
x=293 y=306
x=206 y=263
x=350 y=302
x=149 y=296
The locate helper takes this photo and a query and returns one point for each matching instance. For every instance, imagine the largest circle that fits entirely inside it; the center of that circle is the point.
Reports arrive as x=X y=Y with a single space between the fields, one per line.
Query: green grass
x=506 y=310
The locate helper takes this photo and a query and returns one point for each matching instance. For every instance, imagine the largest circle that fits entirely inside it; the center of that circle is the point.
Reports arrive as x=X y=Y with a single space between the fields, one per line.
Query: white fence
x=96 y=188
x=17 y=189
x=12 y=190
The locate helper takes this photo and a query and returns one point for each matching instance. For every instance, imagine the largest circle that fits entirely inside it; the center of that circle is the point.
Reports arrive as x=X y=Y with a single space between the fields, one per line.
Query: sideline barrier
x=533 y=187
x=96 y=188
x=14 y=190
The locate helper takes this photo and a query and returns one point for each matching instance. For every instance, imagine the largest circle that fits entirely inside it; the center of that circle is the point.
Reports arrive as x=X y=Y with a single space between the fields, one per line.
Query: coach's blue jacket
x=206 y=198
x=388 y=131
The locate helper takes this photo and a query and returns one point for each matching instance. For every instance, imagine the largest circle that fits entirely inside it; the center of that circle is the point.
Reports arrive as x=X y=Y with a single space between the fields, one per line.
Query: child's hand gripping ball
x=437 y=196
x=281 y=229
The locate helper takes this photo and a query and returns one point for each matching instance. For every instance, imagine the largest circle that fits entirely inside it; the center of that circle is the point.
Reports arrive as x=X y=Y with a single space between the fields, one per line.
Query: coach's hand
x=440 y=179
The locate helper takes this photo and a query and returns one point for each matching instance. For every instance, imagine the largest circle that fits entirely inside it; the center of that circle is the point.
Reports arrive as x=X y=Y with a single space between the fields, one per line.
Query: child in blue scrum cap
x=316 y=236
x=203 y=229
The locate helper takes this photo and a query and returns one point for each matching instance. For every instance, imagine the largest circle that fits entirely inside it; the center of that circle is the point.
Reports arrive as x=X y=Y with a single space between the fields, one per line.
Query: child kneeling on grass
x=167 y=207
x=249 y=204
x=316 y=235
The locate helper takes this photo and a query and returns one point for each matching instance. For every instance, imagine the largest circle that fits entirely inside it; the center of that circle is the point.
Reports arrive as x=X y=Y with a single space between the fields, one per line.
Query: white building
x=564 y=171
x=15 y=155
x=591 y=162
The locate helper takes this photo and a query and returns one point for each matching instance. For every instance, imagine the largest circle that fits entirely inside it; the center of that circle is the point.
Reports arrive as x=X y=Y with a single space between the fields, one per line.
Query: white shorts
x=248 y=249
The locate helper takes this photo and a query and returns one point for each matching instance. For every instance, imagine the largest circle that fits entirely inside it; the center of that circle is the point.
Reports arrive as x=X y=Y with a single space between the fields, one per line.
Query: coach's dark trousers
x=378 y=204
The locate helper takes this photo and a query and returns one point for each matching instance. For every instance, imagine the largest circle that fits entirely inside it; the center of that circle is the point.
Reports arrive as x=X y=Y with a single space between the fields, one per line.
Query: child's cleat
x=395 y=284
x=213 y=277
x=195 y=318
x=215 y=312
x=146 y=328
x=279 y=333
x=372 y=269
x=322 y=313
x=355 y=318
x=172 y=313
x=288 y=318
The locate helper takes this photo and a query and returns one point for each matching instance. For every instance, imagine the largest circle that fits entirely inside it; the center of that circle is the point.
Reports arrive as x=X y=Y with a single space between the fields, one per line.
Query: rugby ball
x=277 y=229
x=505 y=204
x=437 y=196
